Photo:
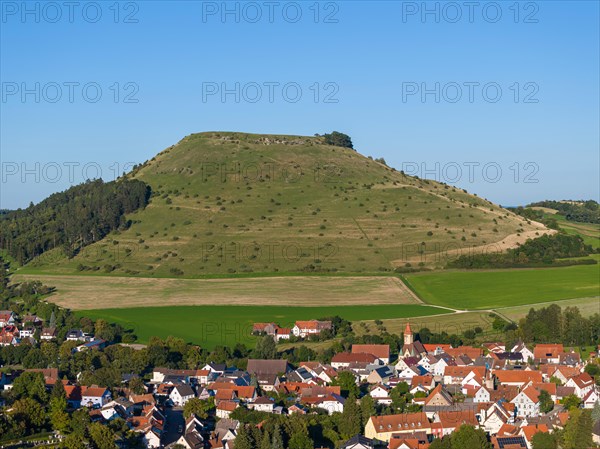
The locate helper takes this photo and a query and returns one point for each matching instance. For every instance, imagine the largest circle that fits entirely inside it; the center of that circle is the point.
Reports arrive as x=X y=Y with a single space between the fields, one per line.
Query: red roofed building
x=305 y=328
x=382 y=352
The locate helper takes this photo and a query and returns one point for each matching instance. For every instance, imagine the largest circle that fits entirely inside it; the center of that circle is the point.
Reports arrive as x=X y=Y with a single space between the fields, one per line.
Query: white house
x=526 y=353
x=305 y=328
x=380 y=394
x=583 y=384
x=481 y=395
x=95 y=396
x=262 y=404
x=527 y=402
x=181 y=394
x=589 y=401
x=333 y=403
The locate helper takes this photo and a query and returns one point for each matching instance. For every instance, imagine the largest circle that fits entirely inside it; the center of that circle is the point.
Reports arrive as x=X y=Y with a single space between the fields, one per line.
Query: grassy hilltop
x=231 y=203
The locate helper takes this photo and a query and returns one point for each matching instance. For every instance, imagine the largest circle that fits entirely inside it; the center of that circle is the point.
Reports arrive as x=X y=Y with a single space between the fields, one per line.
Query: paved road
x=174 y=420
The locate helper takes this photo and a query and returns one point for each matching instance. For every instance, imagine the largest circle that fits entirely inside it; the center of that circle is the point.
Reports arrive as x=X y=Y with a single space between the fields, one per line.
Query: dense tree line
x=582 y=211
x=552 y=324
x=542 y=251
x=71 y=219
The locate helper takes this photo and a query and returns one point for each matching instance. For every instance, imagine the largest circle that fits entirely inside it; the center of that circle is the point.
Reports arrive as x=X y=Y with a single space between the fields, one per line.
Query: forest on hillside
x=71 y=219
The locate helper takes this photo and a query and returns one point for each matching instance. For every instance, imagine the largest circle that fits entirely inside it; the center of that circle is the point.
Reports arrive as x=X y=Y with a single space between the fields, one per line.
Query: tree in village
x=266 y=348
x=577 y=432
x=468 y=437
x=441 y=443
x=350 y=422
x=347 y=383
x=546 y=402
x=367 y=408
x=300 y=440
x=542 y=440
x=101 y=436
x=30 y=412
x=244 y=438
x=198 y=407
x=277 y=438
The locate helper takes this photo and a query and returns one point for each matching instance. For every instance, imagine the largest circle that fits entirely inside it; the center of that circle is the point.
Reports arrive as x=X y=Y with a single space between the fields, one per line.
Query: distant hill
x=225 y=203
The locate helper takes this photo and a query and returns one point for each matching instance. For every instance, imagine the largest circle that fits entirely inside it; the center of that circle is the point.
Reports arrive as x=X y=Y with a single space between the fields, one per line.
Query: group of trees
x=338 y=139
x=552 y=324
x=542 y=251
x=71 y=219
x=582 y=211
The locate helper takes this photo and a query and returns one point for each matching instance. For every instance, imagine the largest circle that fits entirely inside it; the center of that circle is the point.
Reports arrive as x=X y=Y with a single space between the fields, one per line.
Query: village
x=511 y=394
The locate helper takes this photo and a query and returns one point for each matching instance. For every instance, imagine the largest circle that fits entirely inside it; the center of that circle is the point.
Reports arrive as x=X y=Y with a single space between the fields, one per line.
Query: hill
x=231 y=203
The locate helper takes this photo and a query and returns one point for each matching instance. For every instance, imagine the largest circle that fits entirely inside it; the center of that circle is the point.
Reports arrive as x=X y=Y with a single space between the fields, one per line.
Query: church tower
x=408 y=336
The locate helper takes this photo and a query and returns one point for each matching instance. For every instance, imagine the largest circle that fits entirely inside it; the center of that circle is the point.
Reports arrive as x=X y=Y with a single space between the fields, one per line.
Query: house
x=517 y=377
x=48 y=333
x=381 y=394
x=262 y=404
x=303 y=329
x=509 y=442
x=456 y=374
x=383 y=427
x=92 y=344
x=361 y=442
x=27 y=332
x=192 y=434
x=590 y=400
x=448 y=421
x=267 y=372
x=548 y=353
x=345 y=359
x=332 y=403
x=7 y=318
x=150 y=424
x=95 y=396
x=582 y=383
x=181 y=394
x=439 y=397
x=75 y=335
x=224 y=408
x=33 y=320
x=525 y=352
x=382 y=352
x=527 y=402
x=272 y=329
x=481 y=395
x=380 y=375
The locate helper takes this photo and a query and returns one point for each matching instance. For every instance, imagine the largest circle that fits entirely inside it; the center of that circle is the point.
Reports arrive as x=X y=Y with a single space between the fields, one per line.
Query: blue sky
x=530 y=130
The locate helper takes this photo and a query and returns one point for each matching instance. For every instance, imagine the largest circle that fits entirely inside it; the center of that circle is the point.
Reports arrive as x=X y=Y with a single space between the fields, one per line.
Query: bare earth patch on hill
x=100 y=292
x=446 y=254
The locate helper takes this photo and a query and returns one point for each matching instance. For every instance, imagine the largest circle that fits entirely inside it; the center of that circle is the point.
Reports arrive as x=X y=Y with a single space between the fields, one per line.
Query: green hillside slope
x=242 y=203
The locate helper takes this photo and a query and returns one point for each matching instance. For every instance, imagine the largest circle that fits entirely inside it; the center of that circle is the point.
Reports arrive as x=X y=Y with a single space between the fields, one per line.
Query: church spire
x=408 y=335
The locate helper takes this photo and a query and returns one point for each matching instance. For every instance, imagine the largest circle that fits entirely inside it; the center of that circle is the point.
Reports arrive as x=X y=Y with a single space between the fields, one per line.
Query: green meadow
x=505 y=288
x=210 y=326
